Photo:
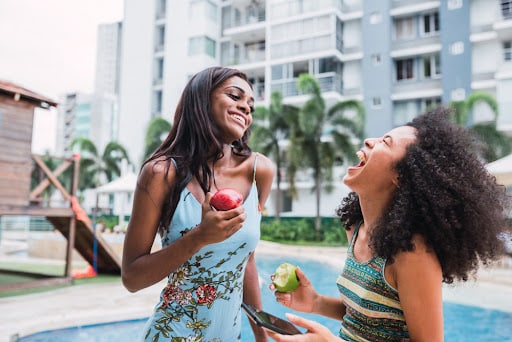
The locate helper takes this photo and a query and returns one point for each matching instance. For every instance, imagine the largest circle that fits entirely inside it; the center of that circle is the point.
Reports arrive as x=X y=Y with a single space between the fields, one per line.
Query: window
x=404 y=28
x=160 y=38
x=300 y=68
x=506 y=9
x=205 y=9
x=404 y=111
x=507 y=51
x=375 y=18
x=278 y=72
x=328 y=64
x=429 y=104
x=159 y=72
x=458 y=94
x=376 y=59
x=457 y=48
x=201 y=45
x=404 y=69
x=430 y=24
x=376 y=102
x=454 y=4
x=431 y=66
x=161 y=8
x=157 y=105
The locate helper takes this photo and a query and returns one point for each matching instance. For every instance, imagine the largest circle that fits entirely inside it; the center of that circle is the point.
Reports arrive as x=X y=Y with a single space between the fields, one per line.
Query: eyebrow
x=240 y=89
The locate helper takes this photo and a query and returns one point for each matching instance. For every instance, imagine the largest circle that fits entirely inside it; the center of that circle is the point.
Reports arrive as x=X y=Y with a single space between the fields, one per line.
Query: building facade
x=397 y=56
x=73 y=120
x=105 y=106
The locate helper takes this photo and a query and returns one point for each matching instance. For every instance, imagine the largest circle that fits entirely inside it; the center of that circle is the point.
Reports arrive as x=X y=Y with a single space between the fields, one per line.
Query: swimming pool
x=462 y=323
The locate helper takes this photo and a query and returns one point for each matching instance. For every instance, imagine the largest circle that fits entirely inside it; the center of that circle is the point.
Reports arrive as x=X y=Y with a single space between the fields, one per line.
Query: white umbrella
x=502 y=170
x=124 y=185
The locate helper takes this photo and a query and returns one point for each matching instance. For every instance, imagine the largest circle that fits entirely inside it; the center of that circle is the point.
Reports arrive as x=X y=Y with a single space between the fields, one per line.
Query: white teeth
x=239 y=118
x=360 y=155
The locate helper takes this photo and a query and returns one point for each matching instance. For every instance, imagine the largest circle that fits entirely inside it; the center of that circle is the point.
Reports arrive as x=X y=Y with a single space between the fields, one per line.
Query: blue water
x=462 y=323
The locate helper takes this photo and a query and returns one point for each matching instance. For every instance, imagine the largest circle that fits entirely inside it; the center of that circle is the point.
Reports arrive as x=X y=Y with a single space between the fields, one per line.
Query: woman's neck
x=372 y=209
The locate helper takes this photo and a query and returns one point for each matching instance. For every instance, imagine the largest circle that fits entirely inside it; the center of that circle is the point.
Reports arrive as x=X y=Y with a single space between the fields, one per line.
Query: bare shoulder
x=421 y=259
x=265 y=166
x=156 y=171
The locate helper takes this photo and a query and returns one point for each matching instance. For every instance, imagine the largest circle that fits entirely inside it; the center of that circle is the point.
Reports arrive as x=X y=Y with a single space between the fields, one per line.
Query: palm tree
x=320 y=137
x=271 y=127
x=95 y=169
x=156 y=133
x=494 y=144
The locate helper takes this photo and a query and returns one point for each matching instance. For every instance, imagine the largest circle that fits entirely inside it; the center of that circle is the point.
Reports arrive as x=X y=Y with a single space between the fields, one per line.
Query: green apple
x=285 y=278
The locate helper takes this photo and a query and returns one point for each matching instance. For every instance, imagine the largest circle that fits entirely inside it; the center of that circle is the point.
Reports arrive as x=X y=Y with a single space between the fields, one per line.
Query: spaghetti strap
x=254 y=168
x=174 y=163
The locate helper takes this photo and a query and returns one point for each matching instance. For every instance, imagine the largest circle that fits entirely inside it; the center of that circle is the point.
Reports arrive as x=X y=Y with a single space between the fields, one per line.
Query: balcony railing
x=326 y=83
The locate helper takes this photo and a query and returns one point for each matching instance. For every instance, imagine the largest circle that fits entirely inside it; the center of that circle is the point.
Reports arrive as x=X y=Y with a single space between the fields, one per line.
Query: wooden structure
x=18 y=197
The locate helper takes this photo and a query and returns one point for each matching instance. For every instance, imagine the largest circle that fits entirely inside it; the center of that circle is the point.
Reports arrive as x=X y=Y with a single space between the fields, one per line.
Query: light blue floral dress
x=202 y=299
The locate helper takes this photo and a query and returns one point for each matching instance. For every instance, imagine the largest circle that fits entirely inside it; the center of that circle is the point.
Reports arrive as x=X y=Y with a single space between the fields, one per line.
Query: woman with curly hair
x=423 y=211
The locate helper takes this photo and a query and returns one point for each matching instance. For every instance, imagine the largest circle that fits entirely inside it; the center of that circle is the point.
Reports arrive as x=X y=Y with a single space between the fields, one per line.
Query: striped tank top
x=373 y=310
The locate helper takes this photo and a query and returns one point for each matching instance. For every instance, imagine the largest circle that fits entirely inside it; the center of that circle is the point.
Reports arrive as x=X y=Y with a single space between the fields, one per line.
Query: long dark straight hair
x=193 y=141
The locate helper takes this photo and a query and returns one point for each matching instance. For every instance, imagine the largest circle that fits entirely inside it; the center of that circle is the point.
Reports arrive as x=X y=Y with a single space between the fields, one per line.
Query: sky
x=49 y=47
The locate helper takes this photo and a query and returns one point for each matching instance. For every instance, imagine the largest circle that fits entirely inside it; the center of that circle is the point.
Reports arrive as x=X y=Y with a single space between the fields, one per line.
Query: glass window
x=454 y=4
x=158 y=101
x=376 y=59
x=277 y=72
x=160 y=38
x=403 y=112
x=201 y=45
x=375 y=18
x=404 y=28
x=430 y=103
x=507 y=51
x=457 y=48
x=431 y=66
x=404 y=69
x=300 y=68
x=326 y=65
x=430 y=23
x=506 y=9
x=159 y=68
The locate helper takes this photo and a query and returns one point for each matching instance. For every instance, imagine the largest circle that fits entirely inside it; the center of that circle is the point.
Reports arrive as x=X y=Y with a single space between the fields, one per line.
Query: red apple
x=226 y=199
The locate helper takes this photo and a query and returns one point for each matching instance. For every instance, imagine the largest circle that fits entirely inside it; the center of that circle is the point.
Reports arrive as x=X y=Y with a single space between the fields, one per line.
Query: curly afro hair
x=446 y=195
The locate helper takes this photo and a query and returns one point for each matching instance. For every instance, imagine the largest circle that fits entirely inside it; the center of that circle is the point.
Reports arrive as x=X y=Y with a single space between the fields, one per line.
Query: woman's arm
x=306 y=299
x=418 y=278
x=265 y=171
x=252 y=295
x=140 y=267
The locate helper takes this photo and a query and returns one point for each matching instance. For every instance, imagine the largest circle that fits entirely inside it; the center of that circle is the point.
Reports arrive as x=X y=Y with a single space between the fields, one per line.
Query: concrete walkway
x=89 y=304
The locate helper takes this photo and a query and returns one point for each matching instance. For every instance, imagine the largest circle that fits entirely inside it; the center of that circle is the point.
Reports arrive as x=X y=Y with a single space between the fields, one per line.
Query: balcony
x=327 y=84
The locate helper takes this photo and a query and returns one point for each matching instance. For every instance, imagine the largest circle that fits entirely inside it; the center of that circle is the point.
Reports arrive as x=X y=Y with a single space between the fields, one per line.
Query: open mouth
x=238 y=118
x=362 y=158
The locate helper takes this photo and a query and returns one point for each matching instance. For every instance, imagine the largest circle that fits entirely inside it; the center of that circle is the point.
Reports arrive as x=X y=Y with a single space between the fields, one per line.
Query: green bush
x=302 y=230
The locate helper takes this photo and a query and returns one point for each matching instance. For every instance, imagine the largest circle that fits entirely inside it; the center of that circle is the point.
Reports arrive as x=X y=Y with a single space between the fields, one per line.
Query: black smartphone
x=269 y=321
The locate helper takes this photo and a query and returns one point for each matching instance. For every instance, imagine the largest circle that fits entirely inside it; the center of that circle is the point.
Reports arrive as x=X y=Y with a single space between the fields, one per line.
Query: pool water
x=461 y=322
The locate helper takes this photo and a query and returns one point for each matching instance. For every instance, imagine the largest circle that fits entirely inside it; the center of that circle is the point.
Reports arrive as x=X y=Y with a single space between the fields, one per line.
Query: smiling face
x=376 y=170
x=232 y=107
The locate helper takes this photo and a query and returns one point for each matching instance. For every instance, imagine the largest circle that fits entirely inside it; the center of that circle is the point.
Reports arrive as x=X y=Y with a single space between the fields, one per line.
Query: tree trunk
x=318 y=220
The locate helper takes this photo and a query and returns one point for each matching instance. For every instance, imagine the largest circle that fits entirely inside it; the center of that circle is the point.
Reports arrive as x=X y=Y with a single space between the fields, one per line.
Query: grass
x=46 y=269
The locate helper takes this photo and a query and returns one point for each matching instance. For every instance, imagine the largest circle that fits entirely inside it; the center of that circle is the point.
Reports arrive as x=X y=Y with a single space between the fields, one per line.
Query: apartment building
x=397 y=56
x=105 y=106
x=73 y=120
x=94 y=116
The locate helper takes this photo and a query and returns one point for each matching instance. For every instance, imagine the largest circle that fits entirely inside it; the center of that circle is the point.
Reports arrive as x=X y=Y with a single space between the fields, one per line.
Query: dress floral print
x=201 y=300
x=209 y=285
